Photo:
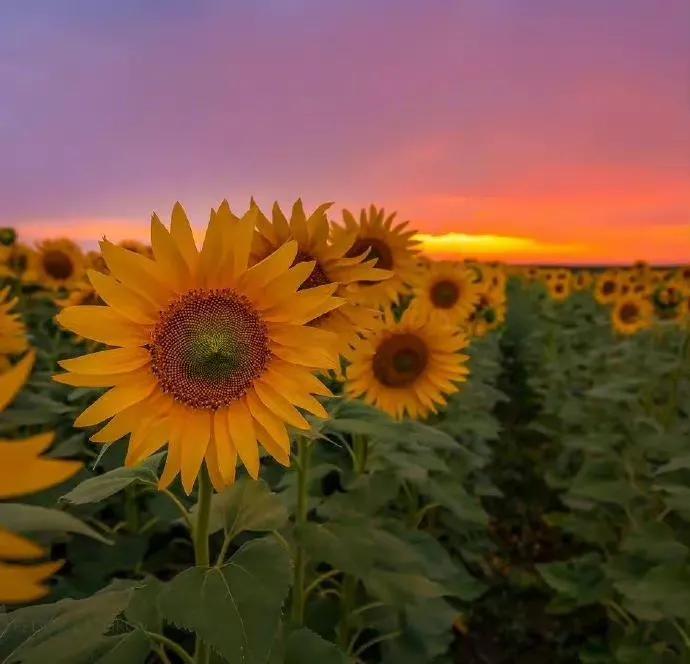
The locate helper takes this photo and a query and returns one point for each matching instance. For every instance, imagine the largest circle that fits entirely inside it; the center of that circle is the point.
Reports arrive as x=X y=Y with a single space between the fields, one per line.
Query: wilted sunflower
x=211 y=356
x=606 y=287
x=332 y=264
x=23 y=471
x=12 y=330
x=631 y=313
x=407 y=367
x=446 y=292
x=390 y=245
x=56 y=264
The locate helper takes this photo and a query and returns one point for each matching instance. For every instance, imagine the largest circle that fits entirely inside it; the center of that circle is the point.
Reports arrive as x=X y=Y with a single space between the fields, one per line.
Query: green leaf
x=21 y=518
x=580 y=580
x=398 y=589
x=68 y=632
x=235 y=608
x=451 y=495
x=305 y=646
x=248 y=505
x=130 y=648
x=98 y=488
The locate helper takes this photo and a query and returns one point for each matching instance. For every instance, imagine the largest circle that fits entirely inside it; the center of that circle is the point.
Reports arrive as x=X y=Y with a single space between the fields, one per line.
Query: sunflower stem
x=201 y=548
x=361 y=453
x=298 y=590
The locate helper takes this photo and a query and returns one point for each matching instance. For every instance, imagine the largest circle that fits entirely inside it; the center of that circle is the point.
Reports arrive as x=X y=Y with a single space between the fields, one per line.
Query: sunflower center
x=373 y=248
x=208 y=347
x=57 y=264
x=629 y=312
x=400 y=360
x=318 y=276
x=608 y=287
x=444 y=294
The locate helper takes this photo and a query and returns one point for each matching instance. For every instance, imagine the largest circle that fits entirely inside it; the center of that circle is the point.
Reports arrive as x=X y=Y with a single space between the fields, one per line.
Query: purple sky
x=559 y=120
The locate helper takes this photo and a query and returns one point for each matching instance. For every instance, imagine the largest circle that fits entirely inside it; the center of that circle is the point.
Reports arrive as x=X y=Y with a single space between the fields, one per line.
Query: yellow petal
x=181 y=232
x=24 y=583
x=146 y=440
x=137 y=272
x=117 y=399
x=318 y=358
x=293 y=392
x=103 y=324
x=280 y=406
x=194 y=442
x=15 y=547
x=123 y=300
x=255 y=279
x=225 y=451
x=11 y=381
x=242 y=242
x=273 y=425
x=276 y=451
x=168 y=256
x=117 y=360
x=241 y=430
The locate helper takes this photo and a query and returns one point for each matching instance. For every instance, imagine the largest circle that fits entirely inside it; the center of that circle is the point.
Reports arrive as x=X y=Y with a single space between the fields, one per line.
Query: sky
x=523 y=130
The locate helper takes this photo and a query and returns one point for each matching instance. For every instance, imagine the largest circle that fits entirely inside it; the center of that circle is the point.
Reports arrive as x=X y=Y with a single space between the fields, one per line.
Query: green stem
x=361 y=453
x=201 y=548
x=348 y=597
x=298 y=590
x=171 y=645
x=131 y=510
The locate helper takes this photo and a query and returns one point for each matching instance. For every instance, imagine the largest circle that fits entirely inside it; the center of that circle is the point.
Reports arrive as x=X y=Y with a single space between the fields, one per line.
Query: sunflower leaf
x=235 y=608
x=21 y=518
x=303 y=645
x=103 y=486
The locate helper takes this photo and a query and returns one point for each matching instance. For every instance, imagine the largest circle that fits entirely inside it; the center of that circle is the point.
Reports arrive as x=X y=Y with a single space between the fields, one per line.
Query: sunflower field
x=295 y=439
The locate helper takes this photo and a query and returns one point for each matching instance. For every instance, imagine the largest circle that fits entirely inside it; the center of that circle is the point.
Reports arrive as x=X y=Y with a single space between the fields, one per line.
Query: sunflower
x=560 y=286
x=489 y=312
x=631 y=313
x=56 y=264
x=446 y=292
x=14 y=260
x=391 y=246
x=332 y=265
x=82 y=293
x=582 y=280
x=667 y=300
x=407 y=367
x=606 y=287
x=12 y=331
x=23 y=470
x=211 y=356
x=94 y=261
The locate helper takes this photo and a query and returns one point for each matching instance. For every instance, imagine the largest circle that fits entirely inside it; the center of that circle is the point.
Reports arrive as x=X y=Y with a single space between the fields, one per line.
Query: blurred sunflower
x=445 y=291
x=23 y=470
x=82 y=293
x=13 y=339
x=14 y=260
x=407 y=367
x=488 y=314
x=560 y=286
x=137 y=247
x=212 y=356
x=606 y=287
x=95 y=261
x=332 y=264
x=392 y=247
x=582 y=280
x=631 y=313
x=56 y=264
x=667 y=299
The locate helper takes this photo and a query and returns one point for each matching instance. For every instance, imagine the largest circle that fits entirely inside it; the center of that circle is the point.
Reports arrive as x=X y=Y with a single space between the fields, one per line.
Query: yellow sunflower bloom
x=667 y=299
x=582 y=280
x=14 y=260
x=489 y=312
x=137 y=247
x=560 y=287
x=332 y=265
x=210 y=356
x=606 y=287
x=407 y=368
x=23 y=470
x=56 y=264
x=445 y=292
x=392 y=246
x=631 y=313
x=13 y=339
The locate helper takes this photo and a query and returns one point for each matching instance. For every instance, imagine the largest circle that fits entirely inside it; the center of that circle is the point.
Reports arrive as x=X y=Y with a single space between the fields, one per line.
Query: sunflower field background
x=296 y=439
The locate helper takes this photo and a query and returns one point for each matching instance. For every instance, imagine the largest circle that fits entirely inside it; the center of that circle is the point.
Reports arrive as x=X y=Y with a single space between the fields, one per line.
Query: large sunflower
x=391 y=245
x=211 y=357
x=12 y=330
x=23 y=471
x=631 y=313
x=446 y=292
x=407 y=367
x=56 y=264
x=332 y=265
